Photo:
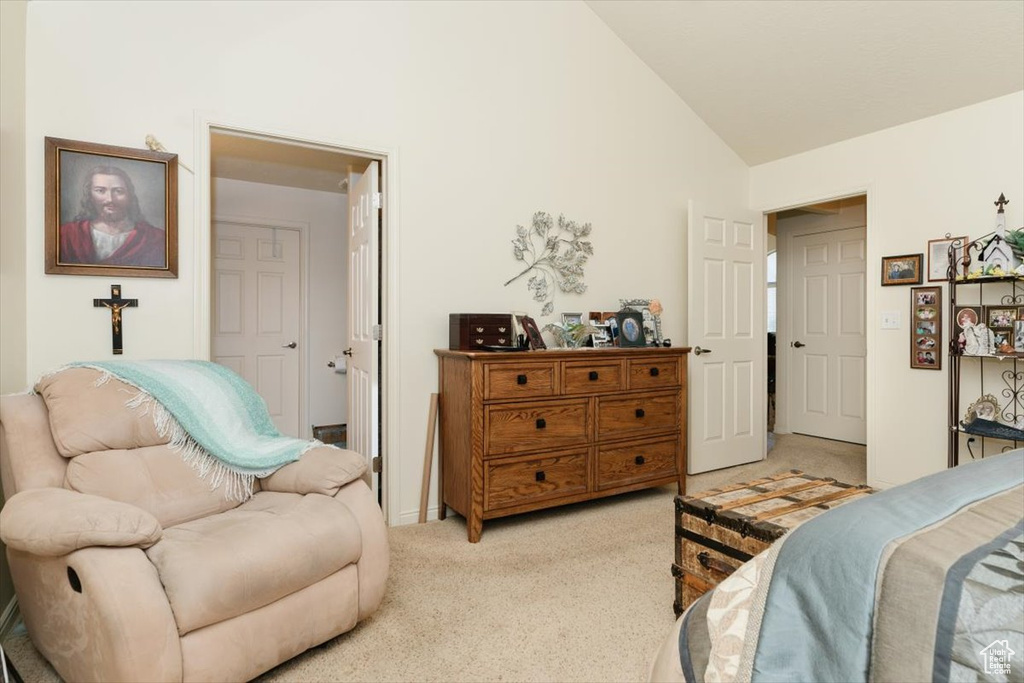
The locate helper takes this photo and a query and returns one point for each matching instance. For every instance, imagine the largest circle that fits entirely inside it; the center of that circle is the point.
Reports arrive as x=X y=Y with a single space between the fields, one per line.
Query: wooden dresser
x=527 y=430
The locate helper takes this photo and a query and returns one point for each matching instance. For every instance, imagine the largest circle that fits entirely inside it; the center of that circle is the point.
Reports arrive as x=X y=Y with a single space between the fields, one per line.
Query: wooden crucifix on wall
x=116 y=304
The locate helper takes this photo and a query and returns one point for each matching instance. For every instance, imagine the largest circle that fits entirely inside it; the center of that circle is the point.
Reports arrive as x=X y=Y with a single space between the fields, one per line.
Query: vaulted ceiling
x=777 y=78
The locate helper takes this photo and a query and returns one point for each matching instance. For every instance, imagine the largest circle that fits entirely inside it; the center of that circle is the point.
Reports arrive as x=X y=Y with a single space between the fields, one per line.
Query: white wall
x=326 y=216
x=923 y=179
x=12 y=221
x=495 y=110
x=12 y=196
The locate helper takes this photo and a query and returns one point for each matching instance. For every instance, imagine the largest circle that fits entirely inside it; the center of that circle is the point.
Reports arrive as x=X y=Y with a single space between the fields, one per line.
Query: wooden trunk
x=720 y=529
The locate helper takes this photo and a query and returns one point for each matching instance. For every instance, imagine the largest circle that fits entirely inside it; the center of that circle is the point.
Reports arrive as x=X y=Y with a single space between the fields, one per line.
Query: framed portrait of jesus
x=110 y=210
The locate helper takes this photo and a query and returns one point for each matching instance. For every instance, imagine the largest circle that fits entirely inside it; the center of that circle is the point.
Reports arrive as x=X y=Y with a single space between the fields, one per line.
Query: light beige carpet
x=581 y=593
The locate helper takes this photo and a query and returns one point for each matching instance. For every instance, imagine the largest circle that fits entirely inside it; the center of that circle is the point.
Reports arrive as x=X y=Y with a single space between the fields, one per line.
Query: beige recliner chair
x=128 y=567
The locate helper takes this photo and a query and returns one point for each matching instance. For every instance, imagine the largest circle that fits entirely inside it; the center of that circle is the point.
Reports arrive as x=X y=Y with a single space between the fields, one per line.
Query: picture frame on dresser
x=631 y=328
x=572 y=319
x=532 y=333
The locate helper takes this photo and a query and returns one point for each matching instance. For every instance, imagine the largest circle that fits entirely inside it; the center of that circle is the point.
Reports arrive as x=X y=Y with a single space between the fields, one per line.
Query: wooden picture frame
x=938 y=257
x=926 y=328
x=902 y=270
x=532 y=333
x=110 y=211
x=1000 y=317
x=631 y=328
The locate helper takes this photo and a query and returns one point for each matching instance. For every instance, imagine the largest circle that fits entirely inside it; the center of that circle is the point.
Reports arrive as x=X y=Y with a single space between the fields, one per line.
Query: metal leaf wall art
x=554 y=255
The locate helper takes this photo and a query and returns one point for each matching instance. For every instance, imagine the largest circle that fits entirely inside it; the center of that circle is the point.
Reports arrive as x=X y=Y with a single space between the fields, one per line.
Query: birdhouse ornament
x=997 y=257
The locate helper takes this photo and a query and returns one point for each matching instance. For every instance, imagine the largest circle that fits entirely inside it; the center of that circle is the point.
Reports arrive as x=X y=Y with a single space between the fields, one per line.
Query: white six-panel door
x=364 y=221
x=727 y=380
x=257 y=314
x=827 y=394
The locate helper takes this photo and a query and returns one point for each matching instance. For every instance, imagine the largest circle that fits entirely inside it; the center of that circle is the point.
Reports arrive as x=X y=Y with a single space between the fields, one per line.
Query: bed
x=924 y=581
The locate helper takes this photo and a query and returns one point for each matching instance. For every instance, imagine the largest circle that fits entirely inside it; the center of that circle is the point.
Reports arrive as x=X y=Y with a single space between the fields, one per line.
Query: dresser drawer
x=509 y=482
x=532 y=426
x=476 y=341
x=653 y=373
x=639 y=414
x=589 y=377
x=520 y=380
x=624 y=464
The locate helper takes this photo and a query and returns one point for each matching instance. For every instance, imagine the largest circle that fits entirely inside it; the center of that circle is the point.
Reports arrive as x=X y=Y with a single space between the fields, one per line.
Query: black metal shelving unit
x=1009 y=292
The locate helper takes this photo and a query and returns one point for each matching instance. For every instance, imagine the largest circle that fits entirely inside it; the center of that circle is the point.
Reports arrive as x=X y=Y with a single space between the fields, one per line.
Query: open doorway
x=816 y=307
x=281 y=298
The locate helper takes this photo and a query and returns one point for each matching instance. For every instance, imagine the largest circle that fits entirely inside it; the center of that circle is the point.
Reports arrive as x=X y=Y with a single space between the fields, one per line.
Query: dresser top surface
x=567 y=354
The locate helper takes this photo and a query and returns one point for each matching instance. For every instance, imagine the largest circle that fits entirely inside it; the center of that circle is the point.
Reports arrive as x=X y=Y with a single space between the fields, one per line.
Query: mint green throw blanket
x=217 y=421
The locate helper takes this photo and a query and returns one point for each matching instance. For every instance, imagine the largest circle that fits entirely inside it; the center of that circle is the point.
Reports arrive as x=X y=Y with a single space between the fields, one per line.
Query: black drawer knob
x=639 y=412
x=639 y=460
x=540 y=475
x=593 y=375
x=541 y=423
x=520 y=379
x=654 y=372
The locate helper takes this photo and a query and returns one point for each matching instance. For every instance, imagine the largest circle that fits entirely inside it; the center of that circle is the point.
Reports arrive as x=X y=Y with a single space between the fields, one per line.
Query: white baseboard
x=10 y=617
x=414 y=517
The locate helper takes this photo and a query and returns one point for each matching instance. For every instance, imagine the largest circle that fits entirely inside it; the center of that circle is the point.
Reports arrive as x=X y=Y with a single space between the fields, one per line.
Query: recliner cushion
x=154 y=478
x=86 y=418
x=224 y=565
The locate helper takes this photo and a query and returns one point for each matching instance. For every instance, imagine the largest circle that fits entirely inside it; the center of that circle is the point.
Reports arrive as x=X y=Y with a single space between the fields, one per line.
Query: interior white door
x=827 y=395
x=363 y=247
x=256 y=314
x=727 y=323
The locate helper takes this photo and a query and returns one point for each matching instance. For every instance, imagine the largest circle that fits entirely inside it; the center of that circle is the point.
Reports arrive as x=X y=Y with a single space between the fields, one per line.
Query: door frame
x=783 y=359
x=205 y=124
x=303 y=335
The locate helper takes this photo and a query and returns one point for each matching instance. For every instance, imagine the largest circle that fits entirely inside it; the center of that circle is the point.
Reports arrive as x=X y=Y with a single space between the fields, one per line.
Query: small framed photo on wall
x=938 y=257
x=926 y=328
x=901 y=270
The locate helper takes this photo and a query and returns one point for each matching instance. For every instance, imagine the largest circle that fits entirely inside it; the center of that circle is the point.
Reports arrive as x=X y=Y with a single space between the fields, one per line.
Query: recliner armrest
x=52 y=522
x=321 y=470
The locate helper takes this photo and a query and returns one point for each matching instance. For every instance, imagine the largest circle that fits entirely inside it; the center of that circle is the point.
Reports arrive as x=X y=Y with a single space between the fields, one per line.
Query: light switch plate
x=890 y=320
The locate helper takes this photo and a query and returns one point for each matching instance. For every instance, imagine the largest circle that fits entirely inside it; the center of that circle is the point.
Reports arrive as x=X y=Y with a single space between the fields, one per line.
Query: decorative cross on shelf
x=115 y=303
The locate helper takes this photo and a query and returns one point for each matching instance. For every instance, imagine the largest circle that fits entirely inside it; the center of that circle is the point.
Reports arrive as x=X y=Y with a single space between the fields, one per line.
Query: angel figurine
x=979 y=340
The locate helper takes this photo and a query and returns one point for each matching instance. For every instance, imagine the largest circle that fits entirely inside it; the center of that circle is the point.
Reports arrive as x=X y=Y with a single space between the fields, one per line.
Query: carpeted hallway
x=581 y=593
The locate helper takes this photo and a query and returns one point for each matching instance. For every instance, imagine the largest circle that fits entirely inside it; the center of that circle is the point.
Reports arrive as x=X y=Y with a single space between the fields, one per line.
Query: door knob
x=799 y=345
x=289 y=346
x=347 y=352
x=697 y=350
